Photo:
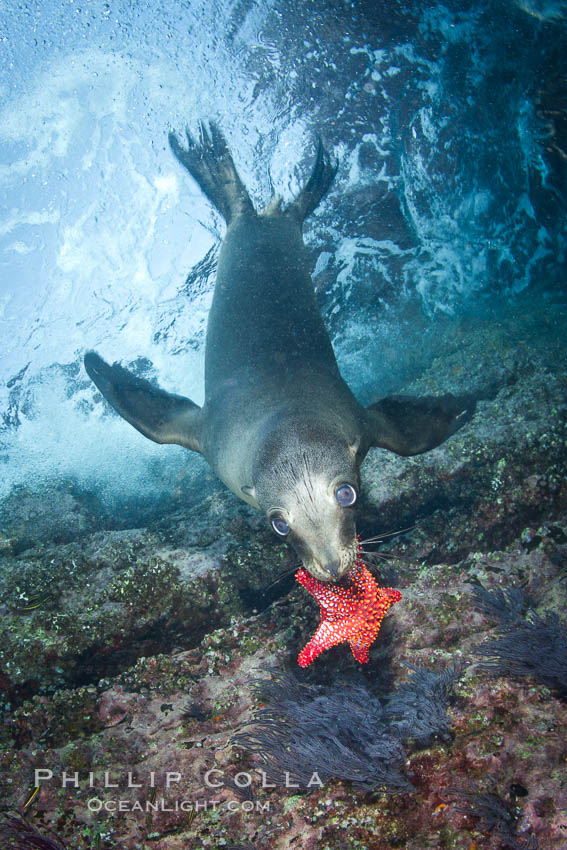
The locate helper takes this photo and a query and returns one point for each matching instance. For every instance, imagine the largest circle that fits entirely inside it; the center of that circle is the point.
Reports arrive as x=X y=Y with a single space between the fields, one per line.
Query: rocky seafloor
x=130 y=658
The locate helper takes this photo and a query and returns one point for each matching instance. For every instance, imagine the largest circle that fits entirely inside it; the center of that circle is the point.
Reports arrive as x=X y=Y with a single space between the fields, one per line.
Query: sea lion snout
x=328 y=572
x=328 y=556
x=331 y=569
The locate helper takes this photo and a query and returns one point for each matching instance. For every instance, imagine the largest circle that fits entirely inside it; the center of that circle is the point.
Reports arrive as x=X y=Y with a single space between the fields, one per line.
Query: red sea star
x=352 y=614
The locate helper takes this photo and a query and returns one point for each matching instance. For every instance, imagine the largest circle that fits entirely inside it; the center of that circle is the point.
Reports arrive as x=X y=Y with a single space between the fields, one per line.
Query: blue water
x=449 y=124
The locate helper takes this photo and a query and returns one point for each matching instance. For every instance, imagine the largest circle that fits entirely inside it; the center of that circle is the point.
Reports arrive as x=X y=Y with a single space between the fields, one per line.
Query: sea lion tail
x=209 y=163
x=321 y=178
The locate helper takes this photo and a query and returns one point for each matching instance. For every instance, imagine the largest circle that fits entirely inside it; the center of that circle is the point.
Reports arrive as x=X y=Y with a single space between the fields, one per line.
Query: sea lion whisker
x=282 y=577
x=369 y=555
x=383 y=557
x=385 y=534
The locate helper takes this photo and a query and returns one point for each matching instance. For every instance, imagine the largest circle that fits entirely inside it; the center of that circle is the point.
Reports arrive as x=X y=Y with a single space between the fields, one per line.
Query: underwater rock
x=113 y=708
x=504 y=468
x=393 y=729
x=76 y=613
x=134 y=650
x=52 y=514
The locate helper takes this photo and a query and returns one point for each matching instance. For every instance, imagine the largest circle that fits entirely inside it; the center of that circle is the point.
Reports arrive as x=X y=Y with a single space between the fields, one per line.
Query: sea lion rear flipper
x=408 y=425
x=321 y=178
x=161 y=416
x=209 y=163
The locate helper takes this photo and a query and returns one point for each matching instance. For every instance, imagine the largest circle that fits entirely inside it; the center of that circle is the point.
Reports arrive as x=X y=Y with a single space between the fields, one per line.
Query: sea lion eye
x=280 y=526
x=345 y=495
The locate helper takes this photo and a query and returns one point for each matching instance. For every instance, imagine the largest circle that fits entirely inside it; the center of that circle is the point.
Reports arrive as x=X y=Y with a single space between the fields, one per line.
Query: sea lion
x=279 y=425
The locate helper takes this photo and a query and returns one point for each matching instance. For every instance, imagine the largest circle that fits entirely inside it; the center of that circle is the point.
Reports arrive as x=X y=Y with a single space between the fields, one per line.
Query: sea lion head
x=307 y=483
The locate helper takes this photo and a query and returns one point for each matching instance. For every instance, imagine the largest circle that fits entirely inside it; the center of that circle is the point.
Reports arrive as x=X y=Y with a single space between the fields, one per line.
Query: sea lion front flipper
x=408 y=425
x=157 y=414
x=209 y=163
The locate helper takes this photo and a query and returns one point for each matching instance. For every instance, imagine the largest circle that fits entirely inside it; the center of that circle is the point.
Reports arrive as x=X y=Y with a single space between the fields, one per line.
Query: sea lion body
x=268 y=357
x=279 y=424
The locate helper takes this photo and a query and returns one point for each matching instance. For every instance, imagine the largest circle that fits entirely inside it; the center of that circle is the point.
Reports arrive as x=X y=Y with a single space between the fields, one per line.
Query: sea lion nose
x=333 y=568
